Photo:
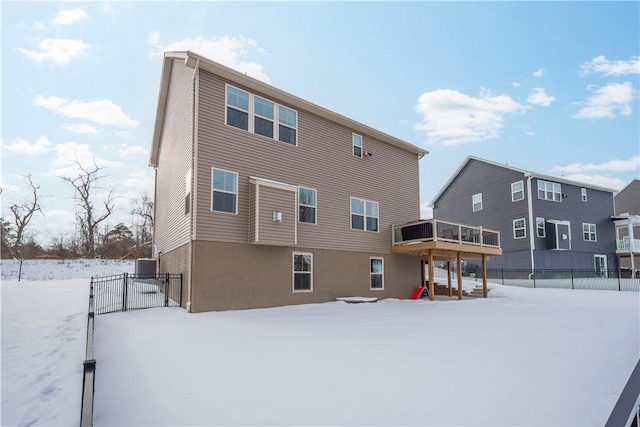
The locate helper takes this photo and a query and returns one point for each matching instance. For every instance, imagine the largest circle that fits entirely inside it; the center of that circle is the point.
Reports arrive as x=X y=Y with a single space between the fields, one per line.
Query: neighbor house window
x=307 y=205
x=549 y=191
x=477 y=202
x=288 y=124
x=583 y=194
x=302 y=272
x=263 y=111
x=517 y=191
x=237 y=108
x=357 y=145
x=364 y=214
x=519 y=228
x=376 y=278
x=224 y=196
x=589 y=232
x=187 y=192
x=540 y=232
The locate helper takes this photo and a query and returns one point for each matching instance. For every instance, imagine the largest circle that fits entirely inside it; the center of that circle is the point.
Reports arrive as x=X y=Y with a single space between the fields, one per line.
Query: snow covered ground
x=521 y=357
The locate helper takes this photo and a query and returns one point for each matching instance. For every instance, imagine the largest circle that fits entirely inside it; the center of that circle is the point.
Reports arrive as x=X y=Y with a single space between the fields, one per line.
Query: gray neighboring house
x=545 y=222
x=627 y=223
x=265 y=199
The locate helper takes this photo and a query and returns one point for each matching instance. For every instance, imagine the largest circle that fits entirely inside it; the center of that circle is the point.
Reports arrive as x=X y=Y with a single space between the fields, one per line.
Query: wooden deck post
x=432 y=297
x=449 y=277
x=459 y=276
x=485 y=291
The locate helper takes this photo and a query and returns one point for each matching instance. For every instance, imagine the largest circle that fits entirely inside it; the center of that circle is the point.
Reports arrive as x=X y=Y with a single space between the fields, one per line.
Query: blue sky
x=550 y=87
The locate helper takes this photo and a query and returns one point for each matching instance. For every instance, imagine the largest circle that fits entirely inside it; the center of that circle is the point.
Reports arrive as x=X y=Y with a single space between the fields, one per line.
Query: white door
x=600 y=263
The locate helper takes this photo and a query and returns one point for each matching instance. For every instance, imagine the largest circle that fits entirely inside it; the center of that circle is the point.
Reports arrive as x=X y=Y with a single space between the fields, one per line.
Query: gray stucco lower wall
x=240 y=276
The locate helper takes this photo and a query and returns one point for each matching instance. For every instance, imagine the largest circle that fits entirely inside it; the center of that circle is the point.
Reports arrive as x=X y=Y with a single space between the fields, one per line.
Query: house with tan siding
x=265 y=199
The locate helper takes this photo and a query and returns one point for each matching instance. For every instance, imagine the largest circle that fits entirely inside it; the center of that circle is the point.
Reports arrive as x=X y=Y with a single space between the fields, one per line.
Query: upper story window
x=549 y=191
x=224 y=189
x=364 y=215
x=263 y=116
x=288 y=120
x=258 y=115
x=307 y=205
x=376 y=277
x=589 y=232
x=237 y=108
x=477 y=202
x=540 y=229
x=519 y=228
x=583 y=194
x=517 y=191
x=357 y=144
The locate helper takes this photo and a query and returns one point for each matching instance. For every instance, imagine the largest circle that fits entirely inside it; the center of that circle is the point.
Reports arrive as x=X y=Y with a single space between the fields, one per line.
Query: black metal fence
x=135 y=291
x=613 y=280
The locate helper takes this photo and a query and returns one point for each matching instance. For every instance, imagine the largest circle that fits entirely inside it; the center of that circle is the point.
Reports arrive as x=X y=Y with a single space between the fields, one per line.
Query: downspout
x=194 y=176
x=532 y=239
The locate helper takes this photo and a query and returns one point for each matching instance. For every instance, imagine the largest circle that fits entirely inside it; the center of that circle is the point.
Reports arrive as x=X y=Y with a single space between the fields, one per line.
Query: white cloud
x=539 y=97
x=66 y=154
x=81 y=128
x=600 y=64
x=133 y=151
x=103 y=112
x=69 y=16
x=616 y=165
x=8 y=188
x=22 y=146
x=539 y=73
x=141 y=181
x=599 y=180
x=515 y=84
x=426 y=211
x=453 y=118
x=607 y=100
x=225 y=50
x=60 y=51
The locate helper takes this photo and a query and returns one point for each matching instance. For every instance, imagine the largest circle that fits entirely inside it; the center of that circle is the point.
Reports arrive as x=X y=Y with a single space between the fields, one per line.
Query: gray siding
x=322 y=160
x=171 y=223
x=628 y=200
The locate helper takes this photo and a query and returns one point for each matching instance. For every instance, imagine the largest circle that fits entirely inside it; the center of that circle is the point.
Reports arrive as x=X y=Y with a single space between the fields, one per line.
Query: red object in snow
x=417 y=294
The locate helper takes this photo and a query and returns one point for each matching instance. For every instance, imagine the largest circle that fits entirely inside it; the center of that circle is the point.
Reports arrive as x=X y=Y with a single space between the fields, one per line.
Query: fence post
x=572 y=287
x=534 y=278
x=619 y=287
x=180 y=289
x=502 y=275
x=166 y=290
x=124 y=290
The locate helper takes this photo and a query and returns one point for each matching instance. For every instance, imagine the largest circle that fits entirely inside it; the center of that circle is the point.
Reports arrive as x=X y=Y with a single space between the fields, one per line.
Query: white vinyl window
x=357 y=145
x=549 y=191
x=376 y=277
x=263 y=116
x=288 y=125
x=519 y=228
x=517 y=191
x=307 y=205
x=237 y=108
x=302 y=272
x=477 y=202
x=583 y=194
x=589 y=232
x=224 y=191
x=540 y=229
x=364 y=215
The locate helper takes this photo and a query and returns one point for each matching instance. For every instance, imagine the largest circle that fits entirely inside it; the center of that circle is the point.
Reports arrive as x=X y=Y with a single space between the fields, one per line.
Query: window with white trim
x=376 y=277
x=589 y=232
x=517 y=191
x=258 y=115
x=583 y=194
x=302 y=272
x=224 y=191
x=519 y=228
x=307 y=205
x=540 y=227
x=364 y=215
x=549 y=191
x=237 y=108
x=477 y=202
x=357 y=144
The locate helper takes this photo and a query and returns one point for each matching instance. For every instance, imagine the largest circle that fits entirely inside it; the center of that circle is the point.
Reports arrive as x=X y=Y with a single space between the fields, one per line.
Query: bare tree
x=23 y=213
x=143 y=210
x=87 y=215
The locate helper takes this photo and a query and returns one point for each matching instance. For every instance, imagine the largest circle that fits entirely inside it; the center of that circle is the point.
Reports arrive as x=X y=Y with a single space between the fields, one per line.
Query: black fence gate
x=135 y=291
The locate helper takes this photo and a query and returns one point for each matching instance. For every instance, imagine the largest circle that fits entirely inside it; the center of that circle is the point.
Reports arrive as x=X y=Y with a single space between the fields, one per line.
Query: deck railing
x=432 y=230
x=625 y=245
